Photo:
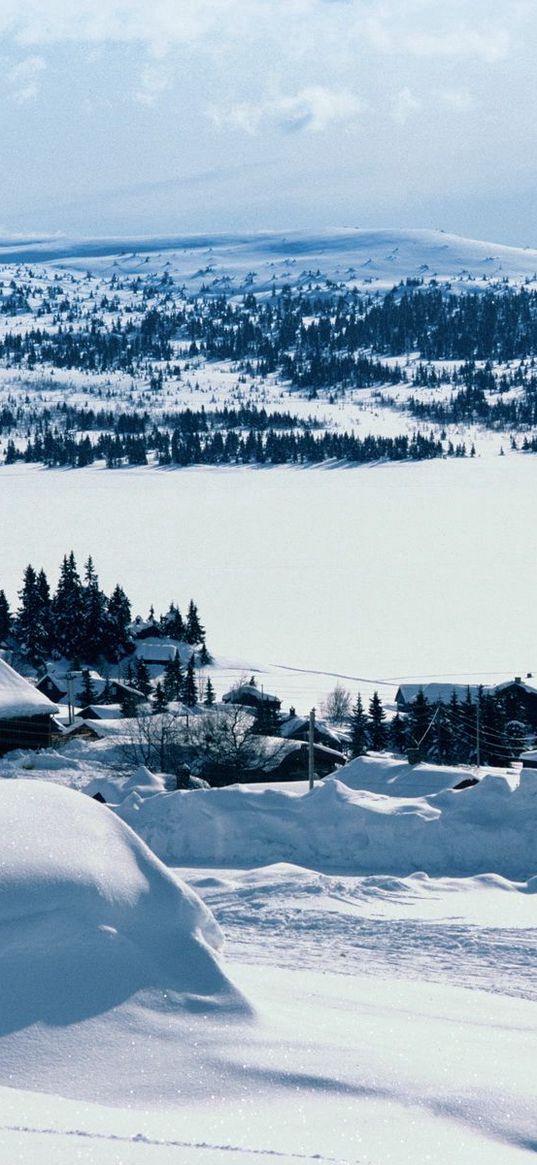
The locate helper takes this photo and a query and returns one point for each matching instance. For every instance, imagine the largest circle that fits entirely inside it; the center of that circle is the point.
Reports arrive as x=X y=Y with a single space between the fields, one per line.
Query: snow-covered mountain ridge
x=351 y=256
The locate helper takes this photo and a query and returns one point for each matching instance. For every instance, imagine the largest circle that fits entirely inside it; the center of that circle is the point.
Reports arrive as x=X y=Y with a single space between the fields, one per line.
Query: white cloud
x=314 y=108
x=421 y=28
x=459 y=100
x=404 y=105
x=24 y=79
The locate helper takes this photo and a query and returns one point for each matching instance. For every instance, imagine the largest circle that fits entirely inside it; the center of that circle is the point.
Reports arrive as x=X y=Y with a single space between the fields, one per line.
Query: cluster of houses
x=39 y=715
x=44 y=714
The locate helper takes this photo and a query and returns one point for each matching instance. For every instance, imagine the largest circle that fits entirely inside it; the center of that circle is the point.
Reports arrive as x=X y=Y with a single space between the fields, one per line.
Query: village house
x=25 y=713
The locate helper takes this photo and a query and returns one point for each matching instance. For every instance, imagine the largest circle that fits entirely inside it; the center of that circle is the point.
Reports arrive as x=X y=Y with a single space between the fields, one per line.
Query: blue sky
x=161 y=116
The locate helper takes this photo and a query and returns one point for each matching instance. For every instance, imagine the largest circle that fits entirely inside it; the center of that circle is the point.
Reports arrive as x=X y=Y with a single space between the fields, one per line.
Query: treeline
x=493 y=731
x=80 y=622
x=481 y=397
x=255 y=448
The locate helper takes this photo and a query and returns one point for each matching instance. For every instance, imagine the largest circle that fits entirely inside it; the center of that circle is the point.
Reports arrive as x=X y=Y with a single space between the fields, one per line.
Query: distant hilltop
x=368 y=259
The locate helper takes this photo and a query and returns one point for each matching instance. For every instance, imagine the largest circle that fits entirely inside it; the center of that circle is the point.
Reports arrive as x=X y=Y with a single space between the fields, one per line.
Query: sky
x=176 y=116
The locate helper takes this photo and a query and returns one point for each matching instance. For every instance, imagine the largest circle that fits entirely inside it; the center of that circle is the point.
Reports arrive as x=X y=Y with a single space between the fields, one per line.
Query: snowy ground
x=365 y=1020
x=384 y=573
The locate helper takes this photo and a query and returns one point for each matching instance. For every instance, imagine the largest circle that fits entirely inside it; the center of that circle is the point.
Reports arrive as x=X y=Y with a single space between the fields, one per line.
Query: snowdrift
x=490 y=827
x=89 y=917
x=398 y=778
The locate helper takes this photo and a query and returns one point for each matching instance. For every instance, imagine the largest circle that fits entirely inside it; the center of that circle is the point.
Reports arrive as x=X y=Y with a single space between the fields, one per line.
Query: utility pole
x=478 y=732
x=311 y=750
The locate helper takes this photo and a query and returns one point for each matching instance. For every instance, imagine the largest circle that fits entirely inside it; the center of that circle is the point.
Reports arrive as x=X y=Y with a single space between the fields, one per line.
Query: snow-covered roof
x=156 y=650
x=19 y=698
x=440 y=693
x=300 y=723
x=249 y=691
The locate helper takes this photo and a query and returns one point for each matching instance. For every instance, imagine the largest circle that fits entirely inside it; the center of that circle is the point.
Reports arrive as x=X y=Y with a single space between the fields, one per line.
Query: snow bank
x=490 y=827
x=89 y=917
x=398 y=778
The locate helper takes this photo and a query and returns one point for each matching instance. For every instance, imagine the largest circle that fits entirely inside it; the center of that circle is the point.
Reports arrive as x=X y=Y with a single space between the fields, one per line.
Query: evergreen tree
x=174 y=679
x=159 y=701
x=420 y=716
x=94 y=615
x=117 y=639
x=377 y=727
x=204 y=657
x=5 y=618
x=209 y=694
x=195 y=633
x=173 y=623
x=129 y=704
x=87 y=694
x=142 y=678
x=441 y=743
x=359 y=729
x=190 y=692
x=33 y=615
x=398 y=734
x=68 y=610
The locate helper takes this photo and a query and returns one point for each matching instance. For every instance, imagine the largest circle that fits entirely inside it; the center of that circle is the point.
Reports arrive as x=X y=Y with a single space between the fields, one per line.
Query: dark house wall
x=34 y=732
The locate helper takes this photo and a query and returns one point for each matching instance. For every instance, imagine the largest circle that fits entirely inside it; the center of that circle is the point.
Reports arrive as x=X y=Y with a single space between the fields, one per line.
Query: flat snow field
x=394 y=570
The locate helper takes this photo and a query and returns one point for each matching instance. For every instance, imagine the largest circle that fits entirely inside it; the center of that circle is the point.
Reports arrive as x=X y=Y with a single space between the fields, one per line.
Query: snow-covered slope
x=353 y=256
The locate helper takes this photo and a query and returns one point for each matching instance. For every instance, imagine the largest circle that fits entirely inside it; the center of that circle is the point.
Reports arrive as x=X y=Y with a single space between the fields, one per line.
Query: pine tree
x=142 y=678
x=173 y=623
x=68 y=610
x=5 y=618
x=358 y=727
x=34 y=614
x=174 y=679
x=420 y=716
x=190 y=691
x=159 y=701
x=87 y=694
x=129 y=704
x=204 y=657
x=209 y=694
x=397 y=734
x=195 y=633
x=117 y=639
x=377 y=727
x=94 y=615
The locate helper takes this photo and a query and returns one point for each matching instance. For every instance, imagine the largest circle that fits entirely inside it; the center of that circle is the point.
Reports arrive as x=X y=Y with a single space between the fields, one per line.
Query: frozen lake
x=387 y=571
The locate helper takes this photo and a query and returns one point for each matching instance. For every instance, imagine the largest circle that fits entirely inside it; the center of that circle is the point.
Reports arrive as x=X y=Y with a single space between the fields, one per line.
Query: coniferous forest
x=80 y=622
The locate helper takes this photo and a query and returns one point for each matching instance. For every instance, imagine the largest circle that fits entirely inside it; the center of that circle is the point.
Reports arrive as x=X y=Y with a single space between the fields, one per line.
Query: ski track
x=203 y=1146
x=260 y=928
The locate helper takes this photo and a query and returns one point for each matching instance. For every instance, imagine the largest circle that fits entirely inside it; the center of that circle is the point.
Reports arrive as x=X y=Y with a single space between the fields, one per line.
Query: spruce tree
x=195 y=633
x=5 y=618
x=34 y=614
x=174 y=679
x=68 y=610
x=377 y=727
x=397 y=734
x=117 y=639
x=94 y=616
x=190 y=691
x=87 y=694
x=159 y=701
x=173 y=624
x=209 y=694
x=420 y=716
x=142 y=678
x=358 y=727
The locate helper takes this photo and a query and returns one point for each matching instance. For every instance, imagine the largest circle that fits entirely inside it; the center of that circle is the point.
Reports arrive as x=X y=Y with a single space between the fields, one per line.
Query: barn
x=25 y=714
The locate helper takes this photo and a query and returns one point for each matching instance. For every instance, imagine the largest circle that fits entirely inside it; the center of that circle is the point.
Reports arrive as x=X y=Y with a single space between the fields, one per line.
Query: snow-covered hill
x=355 y=257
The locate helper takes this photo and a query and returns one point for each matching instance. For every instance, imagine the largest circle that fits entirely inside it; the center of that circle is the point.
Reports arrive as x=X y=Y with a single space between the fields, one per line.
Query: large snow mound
x=489 y=827
x=398 y=778
x=89 y=917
